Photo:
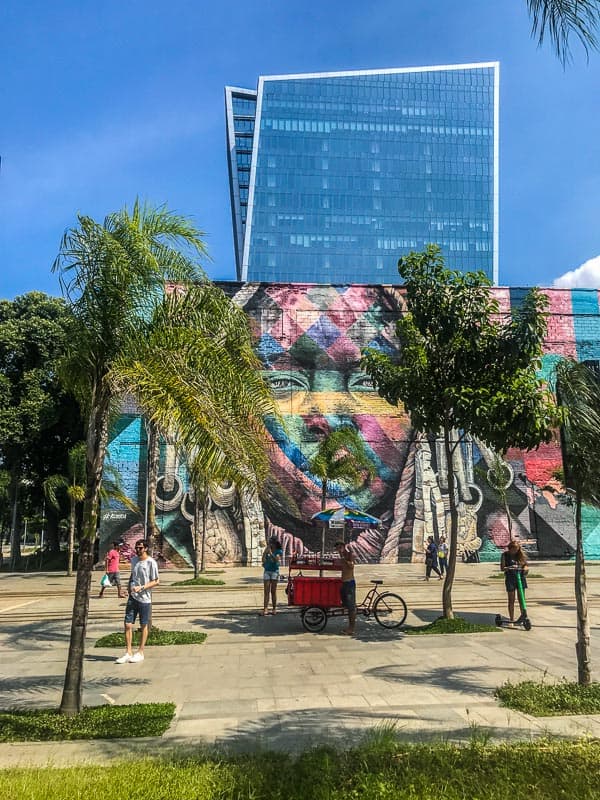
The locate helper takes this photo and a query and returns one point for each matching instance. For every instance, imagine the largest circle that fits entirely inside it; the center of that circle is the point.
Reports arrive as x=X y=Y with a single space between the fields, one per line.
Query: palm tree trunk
x=153 y=456
x=197 y=535
x=15 y=539
x=582 y=646
x=97 y=439
x=451 y=567
x=324 y=524
x=71 y=539
x=204 y=515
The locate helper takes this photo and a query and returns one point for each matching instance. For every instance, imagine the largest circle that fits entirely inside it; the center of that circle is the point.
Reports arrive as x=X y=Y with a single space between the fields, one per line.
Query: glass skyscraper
x=334 y=176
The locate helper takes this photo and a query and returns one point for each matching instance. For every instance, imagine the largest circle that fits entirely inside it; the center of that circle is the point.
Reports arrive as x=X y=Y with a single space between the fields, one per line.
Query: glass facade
x=241 y=113
x=347 y=172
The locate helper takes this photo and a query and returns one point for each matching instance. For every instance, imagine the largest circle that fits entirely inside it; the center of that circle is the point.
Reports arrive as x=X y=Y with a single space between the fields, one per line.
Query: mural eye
x=360 y=382
x=286 y=382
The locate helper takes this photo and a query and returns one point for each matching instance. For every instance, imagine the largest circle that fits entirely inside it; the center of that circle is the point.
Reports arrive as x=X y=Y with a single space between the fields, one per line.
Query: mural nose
x=317 y=426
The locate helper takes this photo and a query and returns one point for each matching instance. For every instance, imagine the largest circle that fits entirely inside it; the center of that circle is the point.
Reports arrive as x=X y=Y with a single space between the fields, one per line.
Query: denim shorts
x=270 y=576
x=134 y=609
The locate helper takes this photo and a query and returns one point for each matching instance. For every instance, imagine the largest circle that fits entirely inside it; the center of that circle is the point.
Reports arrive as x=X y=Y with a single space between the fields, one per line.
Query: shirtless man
x=348 y=591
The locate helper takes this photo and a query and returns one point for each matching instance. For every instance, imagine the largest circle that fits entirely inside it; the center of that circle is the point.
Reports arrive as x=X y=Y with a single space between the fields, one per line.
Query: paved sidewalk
x=264 y=682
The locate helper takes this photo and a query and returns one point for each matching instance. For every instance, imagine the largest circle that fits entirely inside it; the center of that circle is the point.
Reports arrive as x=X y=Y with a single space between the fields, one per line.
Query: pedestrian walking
x=431 y=559
x=111 y=566
x=443 y=555
x=143 y=578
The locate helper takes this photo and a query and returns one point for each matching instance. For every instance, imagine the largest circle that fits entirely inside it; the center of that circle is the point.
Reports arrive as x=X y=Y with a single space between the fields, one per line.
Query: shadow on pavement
x=27 y=690
x=288 y=623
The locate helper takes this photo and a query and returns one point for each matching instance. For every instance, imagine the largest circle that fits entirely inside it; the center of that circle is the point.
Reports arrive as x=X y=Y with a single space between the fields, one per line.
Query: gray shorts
x=270 y=576
x=348 y=594
x=114 y=578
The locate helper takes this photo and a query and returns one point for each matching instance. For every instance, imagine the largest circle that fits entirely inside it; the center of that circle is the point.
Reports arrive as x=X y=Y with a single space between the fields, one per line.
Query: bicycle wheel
x=314 y=619
x=390 y=610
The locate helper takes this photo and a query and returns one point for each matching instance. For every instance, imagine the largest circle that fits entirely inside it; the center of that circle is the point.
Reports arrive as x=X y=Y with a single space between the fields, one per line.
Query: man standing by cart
x=348 y=590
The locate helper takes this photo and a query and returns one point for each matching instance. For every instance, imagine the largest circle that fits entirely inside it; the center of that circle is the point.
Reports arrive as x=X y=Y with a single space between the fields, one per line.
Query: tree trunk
x=97 y=439
x=197 y=535
x=51 y=534
x=204 y=515
x=582 y=647
x=153 y=456
x=15 y=539
x=324 y=524
x=71 y=545
x=451 y=567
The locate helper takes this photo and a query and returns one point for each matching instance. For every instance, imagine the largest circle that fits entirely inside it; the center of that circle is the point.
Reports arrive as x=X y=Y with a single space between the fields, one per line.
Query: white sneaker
x=136 y=658
x=125 y=658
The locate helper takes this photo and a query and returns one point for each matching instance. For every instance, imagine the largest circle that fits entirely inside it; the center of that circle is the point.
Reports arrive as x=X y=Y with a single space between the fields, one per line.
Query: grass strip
x=201 y=581
x=156 y=637
x=443 y=625
x=377 y=770
x=100 y=722
x=550 y=699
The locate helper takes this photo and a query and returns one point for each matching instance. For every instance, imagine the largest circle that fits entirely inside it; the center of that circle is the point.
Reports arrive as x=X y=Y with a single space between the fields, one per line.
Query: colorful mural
x=309 y=339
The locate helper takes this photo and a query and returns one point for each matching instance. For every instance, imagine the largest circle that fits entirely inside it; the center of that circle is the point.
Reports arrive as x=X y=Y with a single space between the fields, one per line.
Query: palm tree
x=196 y=377
x=111 y=274
x=341 y=457
x=578 y=390
x=560 y=19
x=74 y=486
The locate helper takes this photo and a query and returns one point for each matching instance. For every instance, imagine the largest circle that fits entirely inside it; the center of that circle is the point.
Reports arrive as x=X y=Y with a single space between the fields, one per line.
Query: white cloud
x=587 y=276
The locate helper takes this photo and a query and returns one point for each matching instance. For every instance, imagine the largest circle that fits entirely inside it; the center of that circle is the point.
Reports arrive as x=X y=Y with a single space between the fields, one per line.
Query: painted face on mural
x=310 y=344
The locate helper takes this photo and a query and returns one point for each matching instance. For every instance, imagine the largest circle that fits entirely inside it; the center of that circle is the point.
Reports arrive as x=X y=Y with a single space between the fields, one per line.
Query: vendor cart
x=319 y=596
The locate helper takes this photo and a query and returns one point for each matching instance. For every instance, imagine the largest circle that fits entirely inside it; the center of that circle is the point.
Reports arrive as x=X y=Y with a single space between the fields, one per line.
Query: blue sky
x=101 y=102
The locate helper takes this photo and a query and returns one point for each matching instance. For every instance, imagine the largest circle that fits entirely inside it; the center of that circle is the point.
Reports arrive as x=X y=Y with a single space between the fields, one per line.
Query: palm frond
x=561 y=18
x=52 y=486
x=578 y=389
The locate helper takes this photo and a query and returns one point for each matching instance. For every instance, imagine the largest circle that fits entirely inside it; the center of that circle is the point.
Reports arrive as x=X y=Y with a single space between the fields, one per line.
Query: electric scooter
x=523 y=619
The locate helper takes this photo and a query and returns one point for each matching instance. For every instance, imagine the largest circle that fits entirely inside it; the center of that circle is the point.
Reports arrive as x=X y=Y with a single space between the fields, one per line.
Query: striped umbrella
x=341 y=515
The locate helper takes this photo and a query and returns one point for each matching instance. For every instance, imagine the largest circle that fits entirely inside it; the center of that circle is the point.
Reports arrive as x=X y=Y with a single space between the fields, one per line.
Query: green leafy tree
x=111 y=274
x=578 y=391
x=562 y=18
x=39 y=420
x=73 y=485
x=340 y=458
x=463 y=370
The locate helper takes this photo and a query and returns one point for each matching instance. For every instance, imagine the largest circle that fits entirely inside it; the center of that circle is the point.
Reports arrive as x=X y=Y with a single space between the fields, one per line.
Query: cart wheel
x=314 y=619
x=527 y=624
x=390 y=610
x=499 y=620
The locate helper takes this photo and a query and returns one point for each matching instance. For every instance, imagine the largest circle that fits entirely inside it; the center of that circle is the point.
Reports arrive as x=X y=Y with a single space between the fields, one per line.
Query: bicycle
x=388 y=608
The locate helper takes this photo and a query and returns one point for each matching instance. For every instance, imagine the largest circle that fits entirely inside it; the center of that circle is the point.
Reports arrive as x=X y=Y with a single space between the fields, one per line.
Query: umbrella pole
x=322 y=548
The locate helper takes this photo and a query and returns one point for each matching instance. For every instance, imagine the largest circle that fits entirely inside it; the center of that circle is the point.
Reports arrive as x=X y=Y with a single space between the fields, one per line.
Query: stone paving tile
x=268 y=682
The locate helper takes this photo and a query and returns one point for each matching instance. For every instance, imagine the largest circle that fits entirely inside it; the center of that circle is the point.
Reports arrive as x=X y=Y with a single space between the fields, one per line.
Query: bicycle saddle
x=376 y=582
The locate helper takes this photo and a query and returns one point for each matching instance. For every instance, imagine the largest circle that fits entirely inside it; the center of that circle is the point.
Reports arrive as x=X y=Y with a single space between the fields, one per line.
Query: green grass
x=156 y=637
x=381 y=769
x=100 y=722
x=547 y=699
x=201 y=581
x=443 y=625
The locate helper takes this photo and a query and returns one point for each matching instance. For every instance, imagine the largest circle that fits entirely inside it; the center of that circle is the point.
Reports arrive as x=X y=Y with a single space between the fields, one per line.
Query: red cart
x=319 y=597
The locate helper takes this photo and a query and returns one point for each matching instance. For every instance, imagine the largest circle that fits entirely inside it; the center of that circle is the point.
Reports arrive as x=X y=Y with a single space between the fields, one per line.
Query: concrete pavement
x=264 y=682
